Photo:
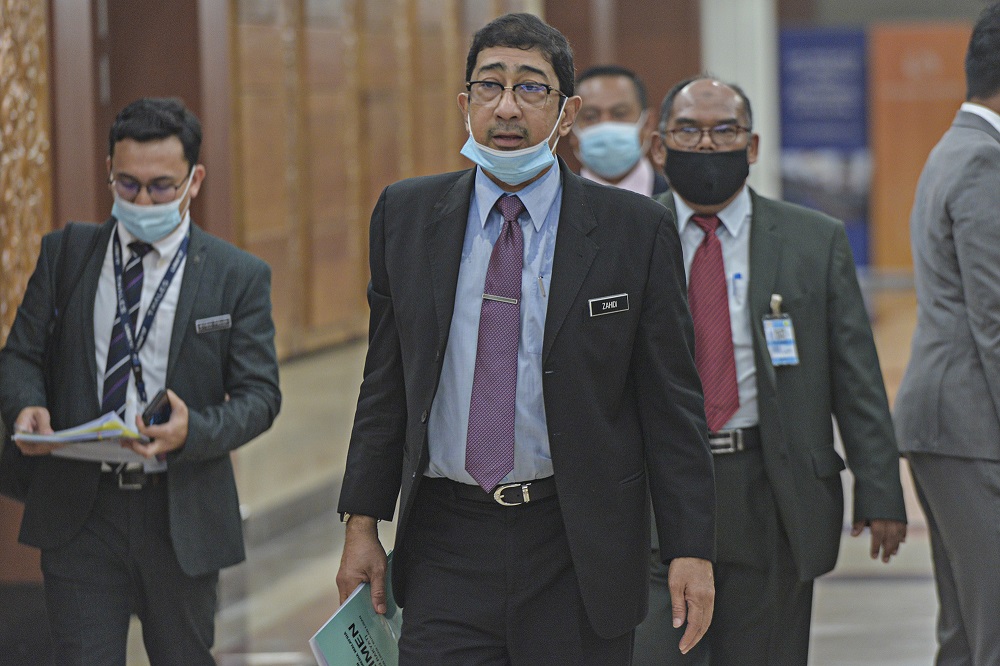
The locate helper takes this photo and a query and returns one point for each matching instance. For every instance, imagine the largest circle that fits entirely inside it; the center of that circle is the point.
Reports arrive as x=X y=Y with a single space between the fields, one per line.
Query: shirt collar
x=639 y=179
x=989 y=115
x=166 y=246
x=733 y=216
x=537 y=197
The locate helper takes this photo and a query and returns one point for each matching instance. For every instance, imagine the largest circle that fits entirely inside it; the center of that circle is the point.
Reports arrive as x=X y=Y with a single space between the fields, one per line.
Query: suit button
x=437 y=356
x=423 y=417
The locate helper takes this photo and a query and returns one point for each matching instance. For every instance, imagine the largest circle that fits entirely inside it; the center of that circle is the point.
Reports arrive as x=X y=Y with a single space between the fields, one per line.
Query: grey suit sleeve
x=975 y=212
x=250 y=370
x=859 y=398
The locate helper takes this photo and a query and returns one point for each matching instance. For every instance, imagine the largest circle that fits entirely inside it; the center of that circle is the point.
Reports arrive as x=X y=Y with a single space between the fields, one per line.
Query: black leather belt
x=734 y=441
x=506 y=494
x=131 y=479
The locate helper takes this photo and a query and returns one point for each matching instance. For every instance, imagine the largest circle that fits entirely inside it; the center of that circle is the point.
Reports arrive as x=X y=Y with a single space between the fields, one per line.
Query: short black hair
x=525 y=31
x=617 y=70
x=154 y=118
x=982 y=61
x=668 y=102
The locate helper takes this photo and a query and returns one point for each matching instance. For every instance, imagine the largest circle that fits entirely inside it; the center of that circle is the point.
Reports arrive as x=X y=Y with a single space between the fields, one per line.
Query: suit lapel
x=765 y=257
x=574 y=253
x=444 y=236
x=88 y=286
x=194 y=265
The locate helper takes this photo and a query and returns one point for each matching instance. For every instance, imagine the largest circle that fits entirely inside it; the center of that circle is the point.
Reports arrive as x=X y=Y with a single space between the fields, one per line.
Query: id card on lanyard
x=136 y=339
x=779 y=333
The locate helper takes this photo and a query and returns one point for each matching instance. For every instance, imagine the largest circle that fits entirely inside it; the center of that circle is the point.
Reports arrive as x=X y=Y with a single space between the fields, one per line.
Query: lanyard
x=136 y=340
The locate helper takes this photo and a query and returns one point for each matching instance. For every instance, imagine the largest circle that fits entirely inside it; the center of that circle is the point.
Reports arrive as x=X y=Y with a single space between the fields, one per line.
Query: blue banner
x=825 y=159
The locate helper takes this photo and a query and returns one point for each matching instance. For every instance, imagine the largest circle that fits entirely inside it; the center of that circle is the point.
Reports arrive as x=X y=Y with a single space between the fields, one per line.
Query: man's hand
x=886 y=536
x=692 y=596
x=363 y=561
x=35 y=420
x=165 y=437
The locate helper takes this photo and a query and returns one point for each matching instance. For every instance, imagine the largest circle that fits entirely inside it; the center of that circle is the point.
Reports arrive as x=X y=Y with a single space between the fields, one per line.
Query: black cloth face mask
x=706 y=178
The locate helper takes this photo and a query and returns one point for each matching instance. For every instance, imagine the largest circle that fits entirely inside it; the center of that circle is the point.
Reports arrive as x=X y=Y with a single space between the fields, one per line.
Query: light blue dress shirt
x=449 y=418
x=734 y=235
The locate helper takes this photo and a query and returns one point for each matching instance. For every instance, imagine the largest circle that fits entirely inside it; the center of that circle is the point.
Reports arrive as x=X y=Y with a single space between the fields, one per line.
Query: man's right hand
x=34 y=420
x=363 y=561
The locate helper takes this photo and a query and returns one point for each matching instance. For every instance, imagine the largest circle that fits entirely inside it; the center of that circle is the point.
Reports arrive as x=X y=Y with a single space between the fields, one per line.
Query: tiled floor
x=865 y=612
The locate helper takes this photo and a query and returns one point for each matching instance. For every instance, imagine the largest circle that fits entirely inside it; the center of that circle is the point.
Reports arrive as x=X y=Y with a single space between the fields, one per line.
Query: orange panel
x=917 y=83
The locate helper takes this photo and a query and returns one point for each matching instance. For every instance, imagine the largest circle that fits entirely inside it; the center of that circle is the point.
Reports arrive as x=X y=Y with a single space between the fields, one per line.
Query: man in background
x=948 y=406
x=147 y=301
x=782 y=343
x=612 y=131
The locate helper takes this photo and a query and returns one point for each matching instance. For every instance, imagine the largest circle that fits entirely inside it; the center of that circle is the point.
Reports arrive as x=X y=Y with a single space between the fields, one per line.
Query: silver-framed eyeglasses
x=721 y=135
x=528 y=93
x=160 y=191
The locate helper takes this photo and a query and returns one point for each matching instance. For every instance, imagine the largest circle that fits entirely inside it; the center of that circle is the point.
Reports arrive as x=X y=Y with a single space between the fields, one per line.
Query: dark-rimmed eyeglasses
x=721 y=135
x=528 y=93
x=160 y=191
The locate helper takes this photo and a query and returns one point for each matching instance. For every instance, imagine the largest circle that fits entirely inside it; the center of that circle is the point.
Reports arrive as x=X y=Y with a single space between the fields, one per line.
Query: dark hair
x=617 y=70
x=667 y=107
x=153 y=118
x=525 y=31
x=982 y=61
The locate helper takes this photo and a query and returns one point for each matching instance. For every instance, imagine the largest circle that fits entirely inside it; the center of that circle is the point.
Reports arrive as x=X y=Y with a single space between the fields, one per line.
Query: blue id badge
x=779 y=333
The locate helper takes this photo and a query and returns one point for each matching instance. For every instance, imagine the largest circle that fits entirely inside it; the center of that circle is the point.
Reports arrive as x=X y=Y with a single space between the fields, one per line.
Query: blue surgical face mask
x=150 y=223
x=611 y=149
x=513 y=166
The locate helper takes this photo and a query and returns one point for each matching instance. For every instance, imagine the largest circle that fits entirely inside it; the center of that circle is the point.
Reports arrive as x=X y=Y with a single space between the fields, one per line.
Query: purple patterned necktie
x=489 y=452
x=713 y=334
x=119 y=364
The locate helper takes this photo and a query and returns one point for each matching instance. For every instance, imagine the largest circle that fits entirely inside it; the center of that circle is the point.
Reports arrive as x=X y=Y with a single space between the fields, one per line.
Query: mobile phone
x=158 y=410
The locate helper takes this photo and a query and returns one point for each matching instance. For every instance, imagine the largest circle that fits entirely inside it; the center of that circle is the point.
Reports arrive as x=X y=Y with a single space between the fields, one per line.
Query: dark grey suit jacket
x=949 y=401
x=228 y=379
x=805 y=257
x=621 y=391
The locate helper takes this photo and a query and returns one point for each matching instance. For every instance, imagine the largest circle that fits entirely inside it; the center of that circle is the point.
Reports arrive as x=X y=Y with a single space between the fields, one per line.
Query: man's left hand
x=886 y=536
x=692 y=596
x=165 y=437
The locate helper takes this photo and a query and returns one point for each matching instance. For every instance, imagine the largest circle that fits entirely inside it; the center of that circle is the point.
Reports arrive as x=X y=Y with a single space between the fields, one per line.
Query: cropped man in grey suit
x=780 y=499
x=145 y=533
x=948 y=407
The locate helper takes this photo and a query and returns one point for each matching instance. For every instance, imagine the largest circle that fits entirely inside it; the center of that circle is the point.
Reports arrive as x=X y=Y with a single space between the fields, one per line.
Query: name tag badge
x=780 y=336
x=210 y=324
x=608 y=305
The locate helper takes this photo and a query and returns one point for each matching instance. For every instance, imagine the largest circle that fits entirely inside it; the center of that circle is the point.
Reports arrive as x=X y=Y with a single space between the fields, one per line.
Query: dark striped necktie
x=119 y=365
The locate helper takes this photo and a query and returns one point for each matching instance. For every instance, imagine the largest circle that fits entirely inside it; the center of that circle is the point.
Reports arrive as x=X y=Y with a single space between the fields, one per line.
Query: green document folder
x=357 y=635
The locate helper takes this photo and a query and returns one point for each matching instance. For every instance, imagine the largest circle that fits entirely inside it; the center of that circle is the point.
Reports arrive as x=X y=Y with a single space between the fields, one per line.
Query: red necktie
x=489 y=452
x=713 y=349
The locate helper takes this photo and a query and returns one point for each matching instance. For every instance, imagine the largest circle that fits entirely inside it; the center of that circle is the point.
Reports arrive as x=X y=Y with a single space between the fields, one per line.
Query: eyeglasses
x=721 y=135
x=529 y=93
x=160 y=191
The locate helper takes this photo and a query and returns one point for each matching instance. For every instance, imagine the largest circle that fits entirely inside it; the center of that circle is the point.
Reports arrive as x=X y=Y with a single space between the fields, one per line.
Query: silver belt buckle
x=499 y=490
x=726 y=441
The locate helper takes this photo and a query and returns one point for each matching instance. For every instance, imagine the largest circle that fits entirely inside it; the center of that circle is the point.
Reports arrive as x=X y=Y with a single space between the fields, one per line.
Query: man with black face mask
x=782 y=343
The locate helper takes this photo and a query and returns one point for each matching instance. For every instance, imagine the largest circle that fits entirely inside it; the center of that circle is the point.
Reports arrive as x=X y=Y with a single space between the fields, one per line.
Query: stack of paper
x=98 y=440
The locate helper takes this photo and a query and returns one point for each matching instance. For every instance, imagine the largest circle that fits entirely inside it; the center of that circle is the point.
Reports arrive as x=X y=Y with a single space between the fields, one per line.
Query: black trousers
x=122 y=563
x=762 y=610
x=493 y=585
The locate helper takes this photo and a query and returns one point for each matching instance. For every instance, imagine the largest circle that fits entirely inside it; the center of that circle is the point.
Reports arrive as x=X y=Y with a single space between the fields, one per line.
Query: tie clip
x=502 y=299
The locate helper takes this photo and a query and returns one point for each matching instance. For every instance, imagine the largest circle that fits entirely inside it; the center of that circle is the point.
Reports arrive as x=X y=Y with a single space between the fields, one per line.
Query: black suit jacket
x=622 y=395
x=228 y=379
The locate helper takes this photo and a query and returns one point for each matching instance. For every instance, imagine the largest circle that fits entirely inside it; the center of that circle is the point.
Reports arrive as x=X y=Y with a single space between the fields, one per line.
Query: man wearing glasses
x=146 y=301
x=530 y=374
x=783 y=343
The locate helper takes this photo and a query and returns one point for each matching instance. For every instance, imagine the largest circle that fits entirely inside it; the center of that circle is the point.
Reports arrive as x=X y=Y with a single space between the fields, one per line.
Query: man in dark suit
x=783 y=343
x=147 y=530
x=948 y=407
x=529 y=376
x=611 y=135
